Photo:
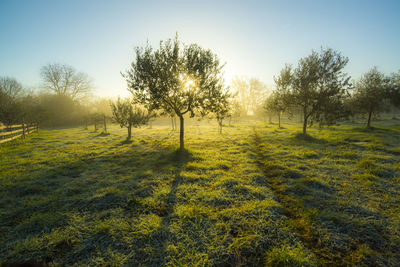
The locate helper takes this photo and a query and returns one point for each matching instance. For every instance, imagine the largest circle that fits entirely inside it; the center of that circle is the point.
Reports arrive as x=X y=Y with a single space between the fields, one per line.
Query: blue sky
x=254 y=38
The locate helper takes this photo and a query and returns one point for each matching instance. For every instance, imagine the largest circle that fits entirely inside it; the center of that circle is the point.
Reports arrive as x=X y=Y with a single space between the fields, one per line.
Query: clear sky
x=254 y=38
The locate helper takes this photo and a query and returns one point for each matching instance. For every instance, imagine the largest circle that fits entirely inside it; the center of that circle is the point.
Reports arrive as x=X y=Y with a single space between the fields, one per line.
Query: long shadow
x=329 y=228
x=95 y=187
x=180 y=160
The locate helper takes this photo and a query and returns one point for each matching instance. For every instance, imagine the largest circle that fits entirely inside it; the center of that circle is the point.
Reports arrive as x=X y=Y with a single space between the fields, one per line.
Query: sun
x=188 y=84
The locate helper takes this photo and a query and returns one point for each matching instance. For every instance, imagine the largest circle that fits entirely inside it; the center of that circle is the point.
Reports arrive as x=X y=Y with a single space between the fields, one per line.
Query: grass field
x=256 y=195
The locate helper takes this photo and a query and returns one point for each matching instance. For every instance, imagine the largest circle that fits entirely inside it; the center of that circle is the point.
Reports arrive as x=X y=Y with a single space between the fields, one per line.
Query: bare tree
x=10 y=87
x=250 y=93
x=65 y=80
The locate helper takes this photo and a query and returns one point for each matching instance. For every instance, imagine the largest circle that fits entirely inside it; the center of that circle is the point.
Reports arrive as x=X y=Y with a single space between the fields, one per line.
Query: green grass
x=254 y=196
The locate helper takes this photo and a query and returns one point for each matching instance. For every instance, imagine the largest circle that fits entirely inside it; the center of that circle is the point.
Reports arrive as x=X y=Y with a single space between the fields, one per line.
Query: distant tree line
x=64 y=99
x=322 y=92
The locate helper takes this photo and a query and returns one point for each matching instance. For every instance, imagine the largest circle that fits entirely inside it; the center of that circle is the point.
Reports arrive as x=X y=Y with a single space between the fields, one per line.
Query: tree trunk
x=305 y=121
x=279 y=119
x=129 y=132
x=95 y=126
x=181 y=135
x=220 y=127
x=269 y=119
x=369 y=118
x=105 y=124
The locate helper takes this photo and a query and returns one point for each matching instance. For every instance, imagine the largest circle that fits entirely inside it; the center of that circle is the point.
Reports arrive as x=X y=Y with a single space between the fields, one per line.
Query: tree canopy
x=129 y=115
x=317 y=85
x=371 y=94
x=175 y=78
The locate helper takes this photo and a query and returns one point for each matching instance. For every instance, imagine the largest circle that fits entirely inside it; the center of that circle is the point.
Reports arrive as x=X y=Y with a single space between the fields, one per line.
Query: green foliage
x=129 y=115
x=371 y=93
x=317 y=86
x=10 y=107
x=394 y=89
x=176 y=79
x=221 y=106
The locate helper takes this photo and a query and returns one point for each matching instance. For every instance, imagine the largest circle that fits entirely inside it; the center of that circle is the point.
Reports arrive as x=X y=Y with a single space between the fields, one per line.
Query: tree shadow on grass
x=99 y=188
x=306 y=138
x=374 y=129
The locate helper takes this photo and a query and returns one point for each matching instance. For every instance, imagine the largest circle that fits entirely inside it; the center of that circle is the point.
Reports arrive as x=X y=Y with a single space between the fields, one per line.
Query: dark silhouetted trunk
x=220 y=126
x=129 y=132
x=105 y=124
x=369 y=118
x=181 y=135
x=279 y=119
x=305 y=121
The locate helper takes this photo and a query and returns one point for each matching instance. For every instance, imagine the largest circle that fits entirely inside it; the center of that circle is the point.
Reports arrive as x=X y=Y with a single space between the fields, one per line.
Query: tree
x=10 y=106
x=250 y=92
x=257 y=94
x=175 y=78
x=279 y=101
x=129 y=115
x=317 y=85
x=64 y=80
x=370 y=94
x=236 y=109
x=276 y=104
x=10 y=87
x=394 y=89
x=221 y=107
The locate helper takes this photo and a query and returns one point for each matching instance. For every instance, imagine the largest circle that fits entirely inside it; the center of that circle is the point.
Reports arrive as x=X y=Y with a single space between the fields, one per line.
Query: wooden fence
x=11 y=132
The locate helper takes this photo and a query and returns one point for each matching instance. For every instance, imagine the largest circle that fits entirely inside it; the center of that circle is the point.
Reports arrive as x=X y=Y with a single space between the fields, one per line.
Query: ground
x=257 y=195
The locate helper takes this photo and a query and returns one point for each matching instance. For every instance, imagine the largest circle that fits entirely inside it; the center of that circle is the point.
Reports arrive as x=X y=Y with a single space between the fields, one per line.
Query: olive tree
x=317 y=85
x=221 y=107
x=276 y=104
x=175 y=78
x=279 y=101
x=370 y=94
x=394 y=89
x=129 y=115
